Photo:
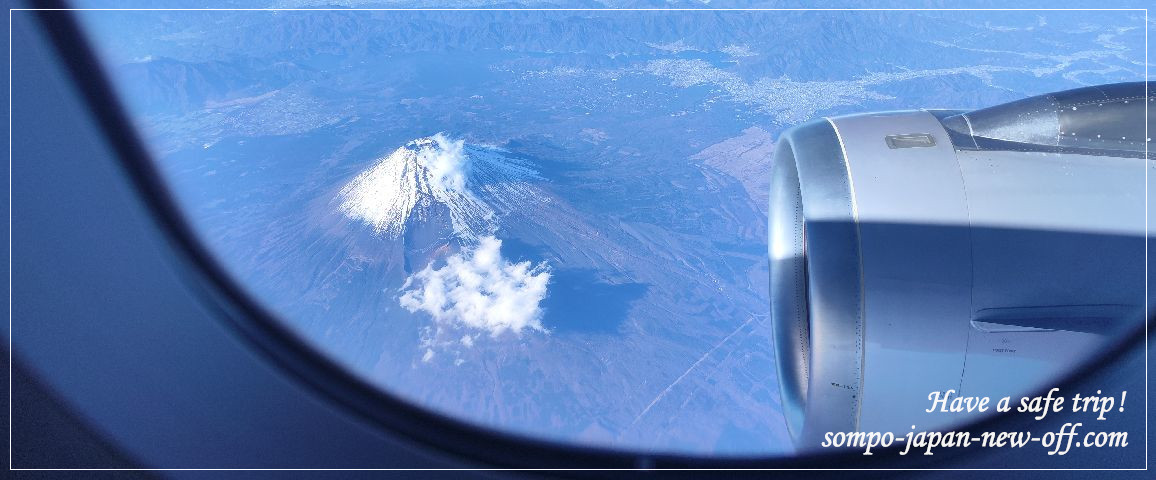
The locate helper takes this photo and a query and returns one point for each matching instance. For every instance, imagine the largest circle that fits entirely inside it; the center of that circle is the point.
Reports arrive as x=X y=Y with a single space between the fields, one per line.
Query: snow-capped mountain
x=651 y=134
x=474 y=183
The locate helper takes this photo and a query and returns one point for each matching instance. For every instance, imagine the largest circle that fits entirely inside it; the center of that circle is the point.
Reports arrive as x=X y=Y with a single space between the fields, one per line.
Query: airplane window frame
x=389 y=413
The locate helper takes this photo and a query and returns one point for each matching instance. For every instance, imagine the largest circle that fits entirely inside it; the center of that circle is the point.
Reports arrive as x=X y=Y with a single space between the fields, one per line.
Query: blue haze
x=652 y=133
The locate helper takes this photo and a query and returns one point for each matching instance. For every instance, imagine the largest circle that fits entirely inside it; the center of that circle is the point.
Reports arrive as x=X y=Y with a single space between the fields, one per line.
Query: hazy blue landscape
x=548 y=222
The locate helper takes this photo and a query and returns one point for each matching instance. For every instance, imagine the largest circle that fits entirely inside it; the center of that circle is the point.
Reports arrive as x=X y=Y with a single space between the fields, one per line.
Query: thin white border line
x=1147 y=161
x=10 y=336
x=556 y=9
x=568 y=469
x=586 y=9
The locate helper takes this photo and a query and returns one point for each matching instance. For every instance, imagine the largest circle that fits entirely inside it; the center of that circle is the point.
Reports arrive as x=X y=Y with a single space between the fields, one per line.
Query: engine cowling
x=984 y=252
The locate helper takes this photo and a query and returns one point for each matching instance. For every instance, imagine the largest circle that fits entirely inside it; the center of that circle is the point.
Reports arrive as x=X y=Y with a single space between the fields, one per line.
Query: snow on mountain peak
x=408 y=184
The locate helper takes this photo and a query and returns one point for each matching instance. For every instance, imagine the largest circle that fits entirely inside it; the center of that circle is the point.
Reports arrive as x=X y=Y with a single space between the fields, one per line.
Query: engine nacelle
x=984 y=252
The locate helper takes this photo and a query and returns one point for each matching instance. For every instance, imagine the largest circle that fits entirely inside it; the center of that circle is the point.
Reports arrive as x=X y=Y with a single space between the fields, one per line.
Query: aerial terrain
x=547 y=222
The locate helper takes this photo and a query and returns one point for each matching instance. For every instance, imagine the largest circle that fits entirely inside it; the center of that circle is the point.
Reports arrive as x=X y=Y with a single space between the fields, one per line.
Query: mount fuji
x=431 y=177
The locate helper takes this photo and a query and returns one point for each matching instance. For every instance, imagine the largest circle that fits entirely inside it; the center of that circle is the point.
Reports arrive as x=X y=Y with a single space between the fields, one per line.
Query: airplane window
x=555 y=223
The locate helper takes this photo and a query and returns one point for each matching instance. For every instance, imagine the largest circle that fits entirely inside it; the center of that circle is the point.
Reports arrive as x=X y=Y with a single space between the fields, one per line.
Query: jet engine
x=984 y=252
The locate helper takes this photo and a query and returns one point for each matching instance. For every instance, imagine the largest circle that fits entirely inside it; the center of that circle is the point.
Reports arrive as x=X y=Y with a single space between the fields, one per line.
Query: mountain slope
x=474 y=183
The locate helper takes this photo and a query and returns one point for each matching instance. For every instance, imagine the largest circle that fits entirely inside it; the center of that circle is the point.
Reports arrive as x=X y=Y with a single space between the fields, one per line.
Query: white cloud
x=481 y=291
x=447 y=164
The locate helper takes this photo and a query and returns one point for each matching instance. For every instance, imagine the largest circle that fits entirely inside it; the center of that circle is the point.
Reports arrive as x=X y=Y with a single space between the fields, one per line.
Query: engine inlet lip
x=790 y=318
x=816 y=295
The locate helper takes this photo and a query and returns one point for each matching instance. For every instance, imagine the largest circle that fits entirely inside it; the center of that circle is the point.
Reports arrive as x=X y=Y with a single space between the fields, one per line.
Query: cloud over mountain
x=472 y=182
x=480 y=291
